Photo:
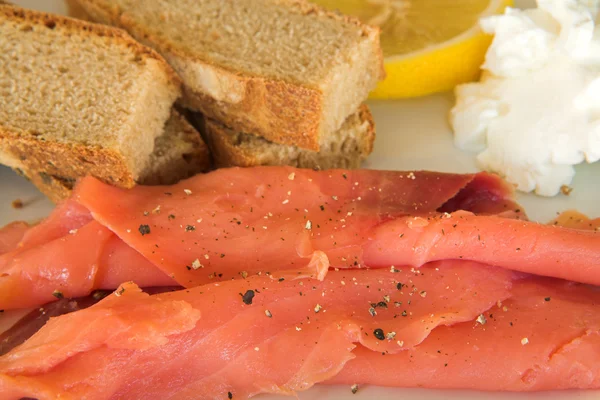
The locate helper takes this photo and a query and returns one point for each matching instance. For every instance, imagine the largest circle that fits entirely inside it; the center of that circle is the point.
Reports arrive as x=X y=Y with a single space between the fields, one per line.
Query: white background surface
x=411 y=135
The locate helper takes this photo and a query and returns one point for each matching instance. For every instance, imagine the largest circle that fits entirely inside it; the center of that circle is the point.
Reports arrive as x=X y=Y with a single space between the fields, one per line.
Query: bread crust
x=277 y=111
x=284 y=112
x=55 y=190
x=227 y=153
x=64 y=162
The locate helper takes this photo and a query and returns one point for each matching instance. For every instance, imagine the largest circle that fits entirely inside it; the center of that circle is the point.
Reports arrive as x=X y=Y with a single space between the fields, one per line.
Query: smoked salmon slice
x=69 y=246
x=370 y=226
x=546 y=250
x=229 y=224
x=249 y=336
x=224 y=225
x=450 y=324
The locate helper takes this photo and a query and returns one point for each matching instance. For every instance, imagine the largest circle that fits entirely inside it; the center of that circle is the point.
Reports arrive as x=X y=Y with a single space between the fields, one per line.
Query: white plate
x=411 y=135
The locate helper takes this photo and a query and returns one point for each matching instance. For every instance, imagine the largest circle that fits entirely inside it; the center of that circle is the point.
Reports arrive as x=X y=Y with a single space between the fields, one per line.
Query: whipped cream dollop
x=536 y=110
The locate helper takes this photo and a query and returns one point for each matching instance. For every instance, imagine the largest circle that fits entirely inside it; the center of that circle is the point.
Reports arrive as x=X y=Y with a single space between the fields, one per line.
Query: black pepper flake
x=379 y=334
x=144 y=229
x=222 y=255
x=229 y=395
x=190 y=228
x=247 y=297
x=171 y=216
x=345 y=176
x=281 y=279
x=353 y=388
x=382 y=304
x=547 y=299
x=58 y=294
x=404 y=313
x=322 y=207
x=399 y=286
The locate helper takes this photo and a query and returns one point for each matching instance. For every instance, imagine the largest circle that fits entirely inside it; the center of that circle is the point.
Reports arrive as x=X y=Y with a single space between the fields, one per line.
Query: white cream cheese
x=536 y=111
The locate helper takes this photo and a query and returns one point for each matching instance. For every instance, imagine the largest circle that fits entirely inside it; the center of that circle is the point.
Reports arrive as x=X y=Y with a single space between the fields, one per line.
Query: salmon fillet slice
x=546 y=250
x=462 y=325
x=229 y=223
x=255 y=335
x=223 y=225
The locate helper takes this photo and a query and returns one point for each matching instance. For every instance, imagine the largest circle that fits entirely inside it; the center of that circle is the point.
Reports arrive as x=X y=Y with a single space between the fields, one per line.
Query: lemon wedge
x=429 y=45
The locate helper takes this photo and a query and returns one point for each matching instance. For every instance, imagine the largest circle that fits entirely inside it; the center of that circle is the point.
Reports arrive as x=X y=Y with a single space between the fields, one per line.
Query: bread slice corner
x=346 y=148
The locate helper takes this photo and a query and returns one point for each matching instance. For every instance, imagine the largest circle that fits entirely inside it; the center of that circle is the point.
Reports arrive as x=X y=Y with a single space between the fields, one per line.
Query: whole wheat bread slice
x=286 y=70
x=179 y=153
x=87 y=96
x=347 y=147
